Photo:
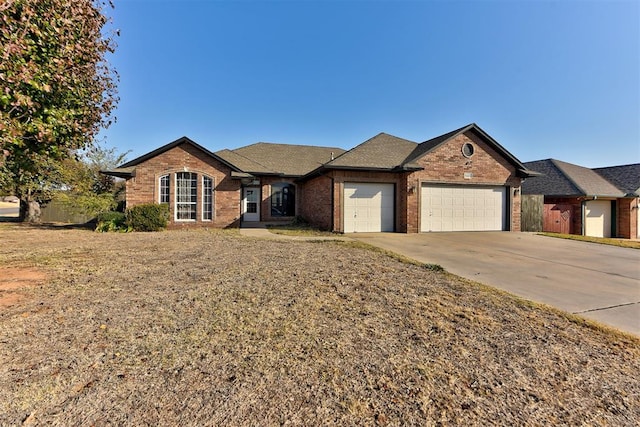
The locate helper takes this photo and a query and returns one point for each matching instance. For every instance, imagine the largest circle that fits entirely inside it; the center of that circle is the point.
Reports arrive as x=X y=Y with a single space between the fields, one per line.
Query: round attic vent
x=468 y=150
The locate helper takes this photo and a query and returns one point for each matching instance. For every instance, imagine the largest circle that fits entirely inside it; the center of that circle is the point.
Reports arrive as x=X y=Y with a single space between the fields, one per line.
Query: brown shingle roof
x=625 y=177
x=282 y=159
x=243 y=163
x=566 y=179
x=383 y=151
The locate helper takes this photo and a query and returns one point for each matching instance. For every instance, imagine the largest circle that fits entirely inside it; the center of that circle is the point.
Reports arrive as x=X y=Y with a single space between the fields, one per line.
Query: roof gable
x=566 y=179
x=425 y=147
x=551 y=182
x=127 y=169
x=383 y=151
x=625 y=177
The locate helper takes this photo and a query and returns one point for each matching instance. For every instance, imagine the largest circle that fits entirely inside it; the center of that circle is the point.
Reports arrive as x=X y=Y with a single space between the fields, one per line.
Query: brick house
x=460 y=181
x=600 y=202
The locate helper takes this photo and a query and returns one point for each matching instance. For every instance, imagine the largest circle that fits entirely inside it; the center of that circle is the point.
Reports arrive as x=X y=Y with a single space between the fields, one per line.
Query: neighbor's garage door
x=463 y=208
x=597 y=218
x=368 y=207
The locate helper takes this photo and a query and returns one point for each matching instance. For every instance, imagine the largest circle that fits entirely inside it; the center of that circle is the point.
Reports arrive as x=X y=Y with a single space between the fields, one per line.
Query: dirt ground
x=14 y=279
x=212 y=328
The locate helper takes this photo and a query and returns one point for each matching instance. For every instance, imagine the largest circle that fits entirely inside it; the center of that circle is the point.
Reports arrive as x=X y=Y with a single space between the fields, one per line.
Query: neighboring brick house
x=627 y=179
x=461 y=181
x=592 y=202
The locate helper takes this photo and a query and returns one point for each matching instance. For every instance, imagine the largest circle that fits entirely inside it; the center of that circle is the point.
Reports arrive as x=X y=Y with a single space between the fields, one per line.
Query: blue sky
x=546 y=79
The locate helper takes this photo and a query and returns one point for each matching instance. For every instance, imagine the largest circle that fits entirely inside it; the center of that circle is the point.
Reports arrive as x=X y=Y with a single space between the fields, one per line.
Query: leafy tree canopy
x=57 y=90
x=83 y=189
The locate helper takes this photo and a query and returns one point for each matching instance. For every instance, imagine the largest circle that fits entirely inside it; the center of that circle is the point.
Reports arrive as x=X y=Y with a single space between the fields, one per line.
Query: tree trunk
x=29 y=210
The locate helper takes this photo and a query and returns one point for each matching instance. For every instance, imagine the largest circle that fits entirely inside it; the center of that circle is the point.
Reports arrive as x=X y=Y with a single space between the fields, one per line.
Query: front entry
x=251 y=204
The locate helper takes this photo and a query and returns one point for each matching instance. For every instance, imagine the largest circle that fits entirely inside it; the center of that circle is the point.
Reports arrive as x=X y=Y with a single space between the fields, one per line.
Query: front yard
x=212 y=328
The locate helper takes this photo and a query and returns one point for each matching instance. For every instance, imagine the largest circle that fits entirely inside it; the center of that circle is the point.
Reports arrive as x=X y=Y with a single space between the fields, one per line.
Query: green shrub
x=111 y=221
x=148 y=217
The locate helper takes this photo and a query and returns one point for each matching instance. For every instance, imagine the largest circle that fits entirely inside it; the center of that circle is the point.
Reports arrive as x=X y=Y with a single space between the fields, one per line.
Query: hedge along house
x=460 y=181
x=591 y=202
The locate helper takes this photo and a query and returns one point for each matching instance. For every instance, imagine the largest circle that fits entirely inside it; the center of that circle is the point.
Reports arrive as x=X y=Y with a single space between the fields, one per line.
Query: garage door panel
x=468 y=208
x=598 y=218
x=368 y=207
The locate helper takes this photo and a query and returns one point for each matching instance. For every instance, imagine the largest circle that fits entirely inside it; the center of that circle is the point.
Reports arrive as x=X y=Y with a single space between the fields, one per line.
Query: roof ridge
x=617 y=166
x=288 y=145
x=564 y=172
x=170 y=145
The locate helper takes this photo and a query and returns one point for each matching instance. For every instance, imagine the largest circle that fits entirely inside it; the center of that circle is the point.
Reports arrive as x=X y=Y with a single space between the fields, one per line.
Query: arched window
x=207 y=198
x=164 y=189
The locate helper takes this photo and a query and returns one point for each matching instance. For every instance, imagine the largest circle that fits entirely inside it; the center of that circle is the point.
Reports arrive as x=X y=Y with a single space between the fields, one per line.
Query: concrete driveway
x=599 y=282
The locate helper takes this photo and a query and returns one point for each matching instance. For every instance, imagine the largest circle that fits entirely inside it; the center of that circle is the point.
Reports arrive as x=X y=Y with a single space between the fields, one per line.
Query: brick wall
x=315 y=202
x=144 y=187
x=627 y=225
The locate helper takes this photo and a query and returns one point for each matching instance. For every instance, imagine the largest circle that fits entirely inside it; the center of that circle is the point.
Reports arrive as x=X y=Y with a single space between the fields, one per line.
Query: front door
x=251 y=204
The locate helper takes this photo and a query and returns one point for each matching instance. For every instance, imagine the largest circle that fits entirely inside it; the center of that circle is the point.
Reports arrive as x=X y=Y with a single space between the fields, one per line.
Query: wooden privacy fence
x=55 y=211
x=531 y=212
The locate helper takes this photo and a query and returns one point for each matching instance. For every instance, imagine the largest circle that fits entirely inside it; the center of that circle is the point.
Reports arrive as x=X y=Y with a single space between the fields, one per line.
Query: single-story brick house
x=600 y=202
x=460 y=181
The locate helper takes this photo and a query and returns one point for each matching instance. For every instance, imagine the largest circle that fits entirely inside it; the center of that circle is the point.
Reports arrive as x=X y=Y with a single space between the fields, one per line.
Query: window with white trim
x=207 y=198
x=186 y=196
x=164 y=189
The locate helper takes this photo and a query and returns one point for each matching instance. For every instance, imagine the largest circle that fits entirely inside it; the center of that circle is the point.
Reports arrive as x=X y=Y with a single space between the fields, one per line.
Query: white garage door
x=597 y=218
x=463 y=208
x=368 y=207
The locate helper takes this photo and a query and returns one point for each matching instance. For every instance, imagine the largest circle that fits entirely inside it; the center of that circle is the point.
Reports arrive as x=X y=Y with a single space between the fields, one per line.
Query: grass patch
x=211 y=328
x=298 y=227
x=393 y=255
x=623 y=243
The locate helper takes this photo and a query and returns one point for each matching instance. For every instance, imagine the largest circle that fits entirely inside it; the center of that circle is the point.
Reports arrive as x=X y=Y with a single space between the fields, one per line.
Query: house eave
x=124 y=173
x=364 y=168
x=527 y=173
x=240 y=175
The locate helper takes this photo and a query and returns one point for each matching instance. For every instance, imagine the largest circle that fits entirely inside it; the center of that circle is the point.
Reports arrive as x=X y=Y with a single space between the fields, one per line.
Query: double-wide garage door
x=463 y=208
x=368 y=207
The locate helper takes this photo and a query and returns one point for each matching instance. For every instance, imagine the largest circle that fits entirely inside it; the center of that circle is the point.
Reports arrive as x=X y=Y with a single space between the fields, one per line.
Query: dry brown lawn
x=212 y=328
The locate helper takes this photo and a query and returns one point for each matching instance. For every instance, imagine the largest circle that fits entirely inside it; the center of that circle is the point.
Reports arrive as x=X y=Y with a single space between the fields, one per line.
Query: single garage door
x=597 y=218
x=463 y=208
x=368 y=207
